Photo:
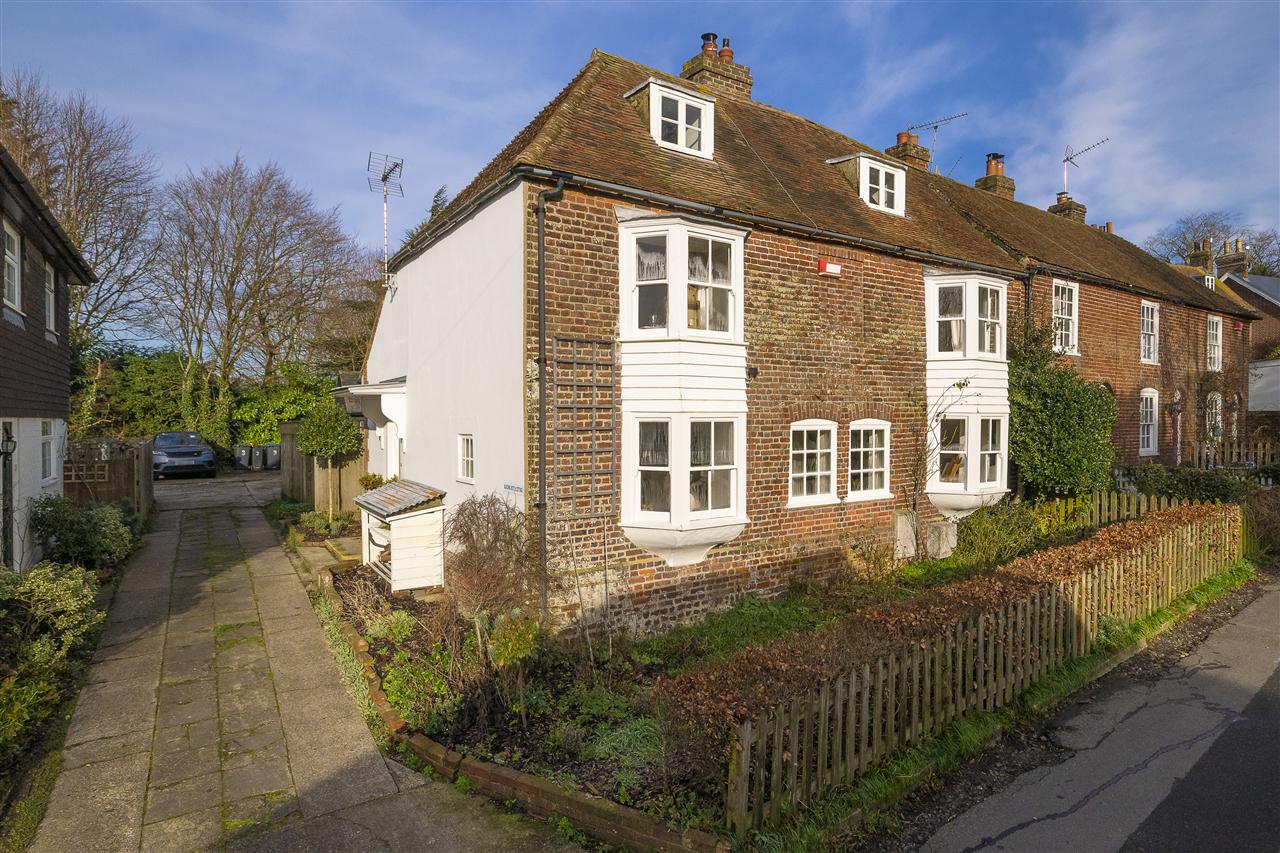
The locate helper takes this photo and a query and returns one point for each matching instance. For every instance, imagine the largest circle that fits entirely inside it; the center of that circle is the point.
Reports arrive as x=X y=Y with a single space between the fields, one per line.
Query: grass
x=18 y=829
x=877 y=793
x=282 y=510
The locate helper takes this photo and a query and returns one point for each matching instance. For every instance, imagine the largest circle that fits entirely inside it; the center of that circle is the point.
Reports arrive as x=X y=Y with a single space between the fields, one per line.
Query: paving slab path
x=214 y=717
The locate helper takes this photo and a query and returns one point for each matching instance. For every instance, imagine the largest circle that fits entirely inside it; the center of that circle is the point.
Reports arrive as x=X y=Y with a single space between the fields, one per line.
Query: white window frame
x=984 y=451
x=973 y=451
x=1152 y=335
x=818 y=498
x=678 y=233
x=683 y=99
x=1152 y=396
x=466 y=457
x=734 y=468
x=1213 y=421
x=1071 y=344
x=50 y=298
x=859 y=494
x=971 y=325
x=865 y=164
x=1213 y=344
x=681 y=516
x=12 y=267
x=48 y=457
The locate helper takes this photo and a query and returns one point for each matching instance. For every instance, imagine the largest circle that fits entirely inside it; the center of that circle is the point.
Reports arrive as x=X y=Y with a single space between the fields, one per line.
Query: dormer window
x=1211 y=282
x=681 y=120
x=884 y=186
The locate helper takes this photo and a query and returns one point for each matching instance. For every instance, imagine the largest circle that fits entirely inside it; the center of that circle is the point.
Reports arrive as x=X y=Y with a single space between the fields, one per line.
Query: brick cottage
x=756 y=341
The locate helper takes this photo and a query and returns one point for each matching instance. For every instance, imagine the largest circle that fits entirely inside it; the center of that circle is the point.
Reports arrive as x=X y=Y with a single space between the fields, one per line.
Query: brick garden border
x=603 y=819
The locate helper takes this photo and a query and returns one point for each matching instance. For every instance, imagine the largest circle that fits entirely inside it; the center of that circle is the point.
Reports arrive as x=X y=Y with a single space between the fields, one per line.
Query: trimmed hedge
x=1189 y=484
x=706 y=703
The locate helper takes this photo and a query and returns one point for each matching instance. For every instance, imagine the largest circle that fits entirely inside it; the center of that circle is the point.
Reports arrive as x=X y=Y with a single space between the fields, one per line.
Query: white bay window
x=670 y=262
x=951 y=301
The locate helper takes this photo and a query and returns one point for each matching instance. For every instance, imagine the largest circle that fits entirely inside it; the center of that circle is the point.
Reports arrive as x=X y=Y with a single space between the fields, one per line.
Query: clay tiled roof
x=1044 y=238
x=773 y=164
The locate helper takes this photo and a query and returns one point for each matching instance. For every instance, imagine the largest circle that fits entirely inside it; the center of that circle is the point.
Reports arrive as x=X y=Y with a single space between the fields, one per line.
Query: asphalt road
x=1188 y=763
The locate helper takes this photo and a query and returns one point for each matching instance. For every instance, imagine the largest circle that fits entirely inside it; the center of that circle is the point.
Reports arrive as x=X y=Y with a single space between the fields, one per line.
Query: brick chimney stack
x=1202 y=256
x=1234 y=258
x=909 y=150
x=1068 y=208
x=995 y=181
x=715 y=70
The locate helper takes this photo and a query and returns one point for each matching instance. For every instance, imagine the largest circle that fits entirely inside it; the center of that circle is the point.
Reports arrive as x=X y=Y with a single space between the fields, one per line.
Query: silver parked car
x=182 y=453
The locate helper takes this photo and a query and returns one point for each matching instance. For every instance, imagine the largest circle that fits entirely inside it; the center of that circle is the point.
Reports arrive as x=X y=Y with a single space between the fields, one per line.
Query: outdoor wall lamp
x=8 y=444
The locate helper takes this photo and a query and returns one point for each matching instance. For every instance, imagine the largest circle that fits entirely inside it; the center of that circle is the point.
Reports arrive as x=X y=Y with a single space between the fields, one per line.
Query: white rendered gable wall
x=454 y=328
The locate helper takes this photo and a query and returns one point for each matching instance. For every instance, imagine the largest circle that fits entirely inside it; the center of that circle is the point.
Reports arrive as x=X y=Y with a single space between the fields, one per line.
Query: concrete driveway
x=214 y=716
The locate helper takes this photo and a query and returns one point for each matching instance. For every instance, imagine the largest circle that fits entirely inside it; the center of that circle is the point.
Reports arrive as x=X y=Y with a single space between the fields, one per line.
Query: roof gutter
x=418 y=246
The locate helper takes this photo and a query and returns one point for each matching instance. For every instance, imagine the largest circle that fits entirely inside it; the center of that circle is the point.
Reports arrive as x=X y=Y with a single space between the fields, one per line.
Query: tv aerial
x=1070 y=156
x=935 y=124
x=384 y=175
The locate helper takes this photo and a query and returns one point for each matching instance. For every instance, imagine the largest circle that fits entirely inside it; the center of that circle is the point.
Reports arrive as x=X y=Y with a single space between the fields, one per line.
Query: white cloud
x=1188 y=98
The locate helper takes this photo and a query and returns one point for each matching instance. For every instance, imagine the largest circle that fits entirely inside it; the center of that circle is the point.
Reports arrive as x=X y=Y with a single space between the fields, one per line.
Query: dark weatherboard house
x=714 y=338
x=40 y=265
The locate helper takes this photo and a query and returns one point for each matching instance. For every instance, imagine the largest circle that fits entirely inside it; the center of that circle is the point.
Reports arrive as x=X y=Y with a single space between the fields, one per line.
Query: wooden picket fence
x=1101 y=508
x=798 y=750
x=1235 y=454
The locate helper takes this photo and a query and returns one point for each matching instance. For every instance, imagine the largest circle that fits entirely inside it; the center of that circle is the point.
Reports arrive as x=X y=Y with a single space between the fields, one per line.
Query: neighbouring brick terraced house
x=753 y=336
x=40 y=264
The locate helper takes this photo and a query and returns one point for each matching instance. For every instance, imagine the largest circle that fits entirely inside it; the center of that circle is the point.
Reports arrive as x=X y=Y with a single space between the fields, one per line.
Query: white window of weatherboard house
x=1213 y=344
x=685 y=469
x=1148 y=422
x=12 y=268
x=1149 y=336
x=883 y=185
x=682 y=121
x=868 y=460
x=966 y=319
x=50 y=298
x=1066 y=317
x=466 y=458
x=681 y=280
x=48 y=473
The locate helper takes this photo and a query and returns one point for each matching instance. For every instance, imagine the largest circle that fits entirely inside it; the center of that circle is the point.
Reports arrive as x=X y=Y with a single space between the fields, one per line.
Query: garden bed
x=581 y=711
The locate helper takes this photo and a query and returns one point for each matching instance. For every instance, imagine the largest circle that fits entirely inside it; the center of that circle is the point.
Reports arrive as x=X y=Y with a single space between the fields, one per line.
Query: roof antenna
x=1070 y=156
x=953 y=166
x=388 y=170
x=935 y=124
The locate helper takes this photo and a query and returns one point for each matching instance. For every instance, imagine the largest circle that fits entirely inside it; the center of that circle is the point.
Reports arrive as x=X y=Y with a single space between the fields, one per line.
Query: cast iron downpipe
x=541 y=207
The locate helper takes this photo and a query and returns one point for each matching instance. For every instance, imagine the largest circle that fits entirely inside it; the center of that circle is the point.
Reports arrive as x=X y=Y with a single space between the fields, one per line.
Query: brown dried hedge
x=705 y=703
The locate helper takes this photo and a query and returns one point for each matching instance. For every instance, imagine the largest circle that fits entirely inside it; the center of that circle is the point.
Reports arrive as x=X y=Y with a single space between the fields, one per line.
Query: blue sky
x=1188 y=93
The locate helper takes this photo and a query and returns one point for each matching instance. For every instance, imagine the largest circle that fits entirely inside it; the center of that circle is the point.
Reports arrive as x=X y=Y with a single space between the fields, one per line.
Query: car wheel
x=212 y=474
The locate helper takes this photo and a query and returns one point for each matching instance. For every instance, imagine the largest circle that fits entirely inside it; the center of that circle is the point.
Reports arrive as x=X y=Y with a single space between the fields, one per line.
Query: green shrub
x=370 y=482
x=1059 y=424
x=421 y=692
x=996 y=534
x=636 y=743
x=396 y=626
x=568 y=738
x=283 y=510
x=319 y=523
x=1189 y=484
x=46 y=616
x=94 y=537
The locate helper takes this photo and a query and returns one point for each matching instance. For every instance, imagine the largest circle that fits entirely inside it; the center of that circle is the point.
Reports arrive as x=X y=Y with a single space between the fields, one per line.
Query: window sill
x=51 y=337
x=864 y=497
x=889 y=210
x=470 y=481
x=1149 y=453
x=1149 y=363
x=680 y=149
x=1074 y=352
x=960 y=356
x=956 y=504
x=812 y=500
x=14 y=316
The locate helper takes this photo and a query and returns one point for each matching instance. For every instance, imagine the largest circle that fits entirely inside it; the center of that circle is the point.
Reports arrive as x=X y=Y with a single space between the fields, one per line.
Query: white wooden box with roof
x=402 y=534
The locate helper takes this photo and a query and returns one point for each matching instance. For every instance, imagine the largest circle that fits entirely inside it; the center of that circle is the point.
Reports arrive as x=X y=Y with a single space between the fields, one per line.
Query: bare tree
x=340 y=331
x=1174 y=243
x=92 y=173
x=245 y=256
